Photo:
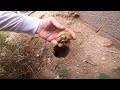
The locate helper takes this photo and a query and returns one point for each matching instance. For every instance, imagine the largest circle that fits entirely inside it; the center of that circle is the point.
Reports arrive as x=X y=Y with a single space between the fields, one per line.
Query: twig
x=31 y=13
x=90 y=63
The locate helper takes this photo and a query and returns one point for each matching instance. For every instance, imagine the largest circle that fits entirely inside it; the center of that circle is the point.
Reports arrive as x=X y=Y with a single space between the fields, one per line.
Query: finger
x=57 y=24
x=71 y=33
x=60 y=44
x=54 y=42
x=61 y=33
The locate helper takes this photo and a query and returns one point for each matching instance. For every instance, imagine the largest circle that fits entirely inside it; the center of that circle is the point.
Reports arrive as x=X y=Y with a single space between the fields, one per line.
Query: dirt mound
x=88 y=56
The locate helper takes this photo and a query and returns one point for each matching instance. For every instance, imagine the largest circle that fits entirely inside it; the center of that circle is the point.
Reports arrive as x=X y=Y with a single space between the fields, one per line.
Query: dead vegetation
x=14 y=61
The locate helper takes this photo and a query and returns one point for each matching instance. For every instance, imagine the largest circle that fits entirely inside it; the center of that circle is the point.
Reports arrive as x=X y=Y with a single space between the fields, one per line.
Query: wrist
x=39 y=27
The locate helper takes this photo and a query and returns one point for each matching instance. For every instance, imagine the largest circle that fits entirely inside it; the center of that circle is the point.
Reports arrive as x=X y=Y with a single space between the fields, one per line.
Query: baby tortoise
x=64 y=37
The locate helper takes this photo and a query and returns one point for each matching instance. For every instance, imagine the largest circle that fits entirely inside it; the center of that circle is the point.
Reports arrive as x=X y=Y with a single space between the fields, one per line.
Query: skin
x=50 y=29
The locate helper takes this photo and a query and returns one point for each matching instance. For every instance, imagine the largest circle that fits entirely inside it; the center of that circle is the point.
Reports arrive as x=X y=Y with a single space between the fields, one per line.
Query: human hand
x=50 y=28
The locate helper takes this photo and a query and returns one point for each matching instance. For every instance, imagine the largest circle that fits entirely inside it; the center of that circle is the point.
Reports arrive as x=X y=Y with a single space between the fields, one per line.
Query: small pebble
x=77 y=65
x=37 y=55
x=77 y=72
x=103 y=58
x=3 y=54
x=49 y=61
x=57 y=77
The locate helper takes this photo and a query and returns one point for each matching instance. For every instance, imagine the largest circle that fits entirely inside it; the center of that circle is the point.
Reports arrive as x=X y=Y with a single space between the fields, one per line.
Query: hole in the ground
x=61 y=51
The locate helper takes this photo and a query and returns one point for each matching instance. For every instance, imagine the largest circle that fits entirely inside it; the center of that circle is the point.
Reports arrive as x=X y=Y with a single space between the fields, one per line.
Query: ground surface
x=107 y=21
x=89 y=55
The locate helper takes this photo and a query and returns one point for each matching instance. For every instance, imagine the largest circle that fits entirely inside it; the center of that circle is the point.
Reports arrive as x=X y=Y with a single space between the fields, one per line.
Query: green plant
x=3 y=36
x=62 y=71
x=104 y=76
x=117 y=70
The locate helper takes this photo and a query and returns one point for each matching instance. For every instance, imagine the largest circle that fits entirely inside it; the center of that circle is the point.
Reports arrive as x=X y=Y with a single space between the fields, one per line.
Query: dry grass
x=14 y=60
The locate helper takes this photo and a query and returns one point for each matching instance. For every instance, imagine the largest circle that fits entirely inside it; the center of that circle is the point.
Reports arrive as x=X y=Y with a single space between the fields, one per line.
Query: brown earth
x=89 y=55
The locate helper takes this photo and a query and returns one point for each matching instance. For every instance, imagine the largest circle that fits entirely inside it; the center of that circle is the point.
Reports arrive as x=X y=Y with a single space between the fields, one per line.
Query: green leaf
x=104 y=76
x=61 y=70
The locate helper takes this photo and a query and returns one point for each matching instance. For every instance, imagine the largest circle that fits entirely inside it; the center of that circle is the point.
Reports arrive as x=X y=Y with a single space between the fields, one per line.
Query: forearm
x=10 y=21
